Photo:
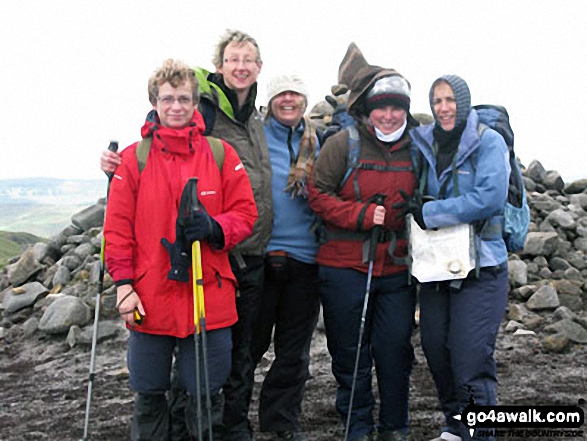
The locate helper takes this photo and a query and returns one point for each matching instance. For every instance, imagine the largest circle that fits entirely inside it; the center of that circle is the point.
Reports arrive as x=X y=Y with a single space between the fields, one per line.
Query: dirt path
x=43 y=388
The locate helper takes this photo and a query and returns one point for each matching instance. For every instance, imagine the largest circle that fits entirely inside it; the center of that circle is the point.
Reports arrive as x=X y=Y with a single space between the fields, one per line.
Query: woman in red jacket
x=148 y=249
x=352 y=207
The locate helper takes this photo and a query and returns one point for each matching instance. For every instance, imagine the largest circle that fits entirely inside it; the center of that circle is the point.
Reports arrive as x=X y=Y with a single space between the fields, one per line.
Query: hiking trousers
x=386 y=344
x=289 y=310
x=149 y=360
x=238 y=388
x=458 y=329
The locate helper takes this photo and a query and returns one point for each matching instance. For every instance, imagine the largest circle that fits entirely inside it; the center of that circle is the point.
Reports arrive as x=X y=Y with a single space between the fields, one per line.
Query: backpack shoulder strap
x=354 y=147
x=217 y=150
x=142 y=152
x=144 y=147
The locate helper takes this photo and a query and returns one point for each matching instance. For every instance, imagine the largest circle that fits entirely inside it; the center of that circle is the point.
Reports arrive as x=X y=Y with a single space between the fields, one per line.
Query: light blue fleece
x=292 y=218
x=483 y=171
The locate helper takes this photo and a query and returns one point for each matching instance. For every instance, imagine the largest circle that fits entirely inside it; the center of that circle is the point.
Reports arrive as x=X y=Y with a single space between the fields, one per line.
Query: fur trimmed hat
x=361 y=77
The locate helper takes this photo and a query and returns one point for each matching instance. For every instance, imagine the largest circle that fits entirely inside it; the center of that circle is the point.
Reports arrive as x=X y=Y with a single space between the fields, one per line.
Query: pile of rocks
x=52 y=287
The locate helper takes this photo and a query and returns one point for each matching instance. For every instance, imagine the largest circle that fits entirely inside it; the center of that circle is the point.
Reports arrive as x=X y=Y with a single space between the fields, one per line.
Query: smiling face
x=445 y=106
x=288 y=108
x=240 y=67
x=388 y=119
x=175 y=105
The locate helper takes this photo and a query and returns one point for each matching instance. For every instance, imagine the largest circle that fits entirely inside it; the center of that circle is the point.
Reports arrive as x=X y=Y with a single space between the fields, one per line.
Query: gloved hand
x=411 y=205
x=201 y=226
x=178 y=255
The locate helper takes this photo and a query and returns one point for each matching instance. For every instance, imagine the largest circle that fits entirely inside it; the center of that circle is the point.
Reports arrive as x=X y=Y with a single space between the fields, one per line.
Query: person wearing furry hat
x=352 y=208
x=467 y=175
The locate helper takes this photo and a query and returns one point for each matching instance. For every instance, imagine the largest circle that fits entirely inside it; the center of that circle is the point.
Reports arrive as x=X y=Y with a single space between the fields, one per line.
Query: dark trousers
x=150 y=363
x=289 y=310
x=458 y=329
x=238 y=388
x=386 y=342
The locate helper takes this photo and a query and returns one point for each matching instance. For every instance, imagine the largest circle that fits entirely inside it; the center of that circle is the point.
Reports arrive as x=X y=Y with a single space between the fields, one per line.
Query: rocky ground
x=43 y=387
x=47 y=303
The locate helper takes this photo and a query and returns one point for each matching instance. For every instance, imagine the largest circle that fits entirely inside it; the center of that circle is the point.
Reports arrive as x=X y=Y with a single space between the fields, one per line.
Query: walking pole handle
x=113 y=147
x=378 y=199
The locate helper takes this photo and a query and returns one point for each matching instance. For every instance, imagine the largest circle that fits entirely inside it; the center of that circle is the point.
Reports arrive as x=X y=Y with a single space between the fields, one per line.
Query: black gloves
x=195 y=225
x=179 y=256
x=412 y=205
x=201 y=226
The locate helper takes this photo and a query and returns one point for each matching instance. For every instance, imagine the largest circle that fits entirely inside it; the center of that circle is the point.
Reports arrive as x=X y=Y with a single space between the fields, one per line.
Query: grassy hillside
x=12 y=244
x=43 y=220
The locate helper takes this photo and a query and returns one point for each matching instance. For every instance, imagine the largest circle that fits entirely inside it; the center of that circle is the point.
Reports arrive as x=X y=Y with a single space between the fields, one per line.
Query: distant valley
x=44 y=206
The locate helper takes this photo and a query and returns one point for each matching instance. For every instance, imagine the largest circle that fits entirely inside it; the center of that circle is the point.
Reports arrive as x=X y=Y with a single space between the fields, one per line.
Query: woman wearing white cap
x=352 y=208
x=289 y=303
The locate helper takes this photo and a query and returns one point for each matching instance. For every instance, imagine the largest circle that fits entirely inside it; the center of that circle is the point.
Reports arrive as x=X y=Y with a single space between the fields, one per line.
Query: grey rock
x=71 y=262
x=78 y=239
x=25 y=268
x=63 y=313
x=513 y=326
x=62 y=276
x=573 y=274
x=562 y=312
x=540 y=244
x=30 y=326
x=107 y=330
x=519 y=313
x=73 y=336
x=535 y=171
x=581 y=244
x=561 y=218
x=545 y=298
x=573 y=302
x=23 y=297
x=523 y=293
x=556 y=342
x=517 y=272
x=40 y=251
x=90 y=217
x=572 y=330
x=543 y=203
x=553 y=180
x=558 y=263
x=84 y=250
x=72 y=230
x=578 y=186
x=545 y=273
x=570 y=287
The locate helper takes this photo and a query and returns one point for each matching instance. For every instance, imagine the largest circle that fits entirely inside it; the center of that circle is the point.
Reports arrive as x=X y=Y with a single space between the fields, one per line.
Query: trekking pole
x=372 y=251
x=200 y=324
x=113 y=147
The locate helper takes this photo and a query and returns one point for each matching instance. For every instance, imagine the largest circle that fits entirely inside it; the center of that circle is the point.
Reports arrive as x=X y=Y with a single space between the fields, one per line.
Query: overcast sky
x=74 y=73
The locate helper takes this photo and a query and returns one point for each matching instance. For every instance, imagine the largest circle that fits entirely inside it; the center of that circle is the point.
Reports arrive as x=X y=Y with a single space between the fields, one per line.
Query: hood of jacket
x=177 y=141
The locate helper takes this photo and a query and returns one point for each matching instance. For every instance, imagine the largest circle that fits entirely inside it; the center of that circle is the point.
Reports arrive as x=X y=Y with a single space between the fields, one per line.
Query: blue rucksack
x=516 y=212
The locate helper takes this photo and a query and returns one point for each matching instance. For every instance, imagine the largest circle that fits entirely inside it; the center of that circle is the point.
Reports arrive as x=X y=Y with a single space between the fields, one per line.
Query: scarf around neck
x=301 y=167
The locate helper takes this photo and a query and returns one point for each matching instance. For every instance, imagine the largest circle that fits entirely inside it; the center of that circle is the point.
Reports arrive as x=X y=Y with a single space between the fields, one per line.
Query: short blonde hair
x=175 y=73
x=233 y=36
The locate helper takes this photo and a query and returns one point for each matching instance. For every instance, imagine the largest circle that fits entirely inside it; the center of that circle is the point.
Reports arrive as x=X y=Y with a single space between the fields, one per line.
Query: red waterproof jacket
x=142 y=209
x=348 y=219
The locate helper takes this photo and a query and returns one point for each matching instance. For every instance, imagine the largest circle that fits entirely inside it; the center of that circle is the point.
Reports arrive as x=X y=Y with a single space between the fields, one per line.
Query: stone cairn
x=52 y=286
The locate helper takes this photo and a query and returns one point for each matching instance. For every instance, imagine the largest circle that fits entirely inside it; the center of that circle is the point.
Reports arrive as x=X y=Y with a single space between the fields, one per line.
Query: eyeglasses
x=168 y=100
x=236 y=61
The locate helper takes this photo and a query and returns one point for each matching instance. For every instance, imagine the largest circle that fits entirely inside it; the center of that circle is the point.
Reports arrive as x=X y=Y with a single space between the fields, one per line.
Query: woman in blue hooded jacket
x=467 y=174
